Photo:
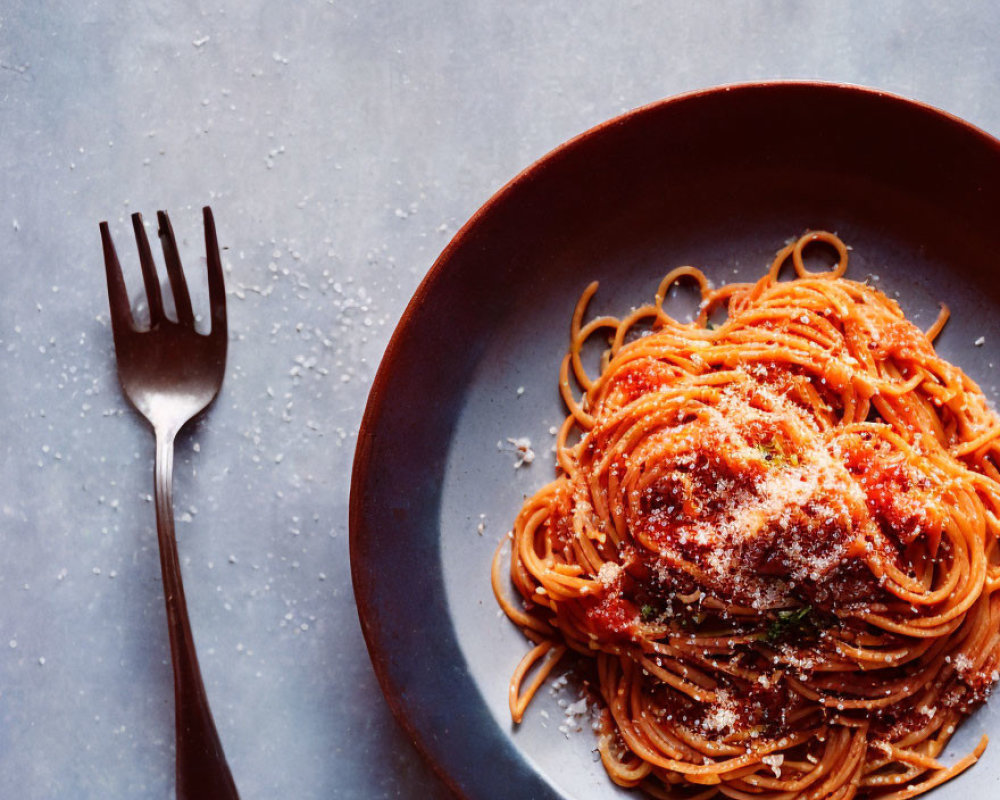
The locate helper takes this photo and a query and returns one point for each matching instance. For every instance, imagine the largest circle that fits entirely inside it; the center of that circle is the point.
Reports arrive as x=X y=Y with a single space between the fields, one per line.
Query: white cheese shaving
x=774 y=761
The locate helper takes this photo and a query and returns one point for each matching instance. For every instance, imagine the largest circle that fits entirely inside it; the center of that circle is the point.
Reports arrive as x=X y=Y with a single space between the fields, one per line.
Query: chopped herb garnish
x=773 y=453
x=767 y=450
x=787 y=621
x=657 y=610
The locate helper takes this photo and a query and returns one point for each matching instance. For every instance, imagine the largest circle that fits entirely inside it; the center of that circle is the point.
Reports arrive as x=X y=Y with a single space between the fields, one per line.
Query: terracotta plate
x=719 y=179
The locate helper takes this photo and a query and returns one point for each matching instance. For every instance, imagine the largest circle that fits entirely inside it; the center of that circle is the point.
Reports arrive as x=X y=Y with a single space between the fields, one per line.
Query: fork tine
x=216 y=281
x=149 y=276
x=182 y=300
x=121 y=314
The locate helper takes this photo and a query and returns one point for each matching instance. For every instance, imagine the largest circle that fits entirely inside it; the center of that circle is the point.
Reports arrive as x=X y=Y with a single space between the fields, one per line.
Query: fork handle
x=202 y=771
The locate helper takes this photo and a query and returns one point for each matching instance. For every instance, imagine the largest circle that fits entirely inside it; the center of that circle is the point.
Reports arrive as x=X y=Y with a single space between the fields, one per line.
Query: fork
x=170 y=373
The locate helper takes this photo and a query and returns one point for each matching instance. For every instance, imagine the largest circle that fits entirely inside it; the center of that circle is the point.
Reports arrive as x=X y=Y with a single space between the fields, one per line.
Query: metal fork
x=170 y=372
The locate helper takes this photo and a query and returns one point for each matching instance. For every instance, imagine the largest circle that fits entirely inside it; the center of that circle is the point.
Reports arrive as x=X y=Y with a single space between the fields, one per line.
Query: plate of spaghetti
x=681 y=475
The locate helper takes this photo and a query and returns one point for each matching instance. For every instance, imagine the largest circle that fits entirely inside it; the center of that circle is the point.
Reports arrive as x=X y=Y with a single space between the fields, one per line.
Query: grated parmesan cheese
x=774 y=761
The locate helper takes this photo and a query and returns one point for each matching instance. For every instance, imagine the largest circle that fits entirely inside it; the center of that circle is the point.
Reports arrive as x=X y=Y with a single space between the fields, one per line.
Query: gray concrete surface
x=341 y=144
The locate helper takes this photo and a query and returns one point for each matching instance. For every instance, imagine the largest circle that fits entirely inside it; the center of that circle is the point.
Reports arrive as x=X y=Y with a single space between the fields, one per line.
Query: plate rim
x=376 y=399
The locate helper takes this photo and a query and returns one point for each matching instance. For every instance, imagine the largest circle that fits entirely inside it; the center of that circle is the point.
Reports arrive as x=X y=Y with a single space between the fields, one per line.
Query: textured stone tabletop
x=341 y=144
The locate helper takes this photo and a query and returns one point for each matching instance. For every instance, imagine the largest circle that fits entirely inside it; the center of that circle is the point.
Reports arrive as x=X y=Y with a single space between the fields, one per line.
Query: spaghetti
x=776 y=537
